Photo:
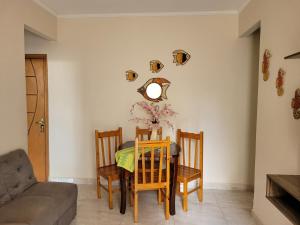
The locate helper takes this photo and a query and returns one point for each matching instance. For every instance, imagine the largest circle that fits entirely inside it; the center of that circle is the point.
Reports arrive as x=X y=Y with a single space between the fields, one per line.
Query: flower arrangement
x=157 y=114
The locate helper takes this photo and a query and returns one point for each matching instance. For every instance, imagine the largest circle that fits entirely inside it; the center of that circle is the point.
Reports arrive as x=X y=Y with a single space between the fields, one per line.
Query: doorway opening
x=255 y=67
x=37 y=113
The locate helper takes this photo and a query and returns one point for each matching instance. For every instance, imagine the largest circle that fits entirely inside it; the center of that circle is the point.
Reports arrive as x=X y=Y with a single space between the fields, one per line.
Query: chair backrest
x=153 y=153
x=107 y=143
x=145 y=134
x=189 y=141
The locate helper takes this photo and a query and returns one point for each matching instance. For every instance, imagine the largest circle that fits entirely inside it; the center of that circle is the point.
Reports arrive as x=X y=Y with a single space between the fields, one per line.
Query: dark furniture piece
x=174 y=152
x=293 y=56
x=25 y=201
x=284 y=192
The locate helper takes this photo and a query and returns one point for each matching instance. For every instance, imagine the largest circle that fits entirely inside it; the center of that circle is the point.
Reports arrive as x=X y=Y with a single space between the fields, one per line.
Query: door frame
x=45 y=59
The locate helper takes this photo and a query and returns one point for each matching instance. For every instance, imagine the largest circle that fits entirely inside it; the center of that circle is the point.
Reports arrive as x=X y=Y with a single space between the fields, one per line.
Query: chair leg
x=185 y=196
x=98 y=187
x=131 y=195
x=162 y=196
x=110 y=200
x=167 y=203
x=178 y=188
x=131 y=198
x=159 y=196
x=136 y=209
x=200 y=190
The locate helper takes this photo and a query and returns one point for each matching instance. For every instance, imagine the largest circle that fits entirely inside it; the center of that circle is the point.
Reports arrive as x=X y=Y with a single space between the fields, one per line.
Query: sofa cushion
x=16 y=172
x=34 y=210
x=64 y=195
x=41 y=204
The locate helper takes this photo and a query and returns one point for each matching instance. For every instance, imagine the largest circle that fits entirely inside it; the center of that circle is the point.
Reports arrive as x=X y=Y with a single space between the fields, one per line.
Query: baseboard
x=73 y=180
x=229 y=186
x=218 y=186
x=257 y=220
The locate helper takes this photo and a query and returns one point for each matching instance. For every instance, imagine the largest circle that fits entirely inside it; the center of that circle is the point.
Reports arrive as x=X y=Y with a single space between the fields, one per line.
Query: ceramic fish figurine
x=266 y=65
x=296 y=104
x=180 y=57
x=279 y=82
x=162 y=82
x=156 y=66
x=131 y=75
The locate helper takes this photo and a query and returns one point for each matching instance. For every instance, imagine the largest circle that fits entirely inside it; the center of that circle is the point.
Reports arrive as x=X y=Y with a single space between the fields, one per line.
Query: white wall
x=278 y=143
x=14 y=15
x=213 y=92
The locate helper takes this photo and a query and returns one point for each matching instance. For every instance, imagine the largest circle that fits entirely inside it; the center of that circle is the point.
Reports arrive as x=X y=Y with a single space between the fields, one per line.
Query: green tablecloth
x=125 y=158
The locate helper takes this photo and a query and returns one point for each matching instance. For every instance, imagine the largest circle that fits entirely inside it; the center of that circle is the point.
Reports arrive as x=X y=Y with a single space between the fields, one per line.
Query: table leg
x=173 y=183
x=123 y=190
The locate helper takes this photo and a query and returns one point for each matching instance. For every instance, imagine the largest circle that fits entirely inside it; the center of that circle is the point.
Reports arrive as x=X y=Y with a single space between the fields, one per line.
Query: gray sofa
x=24 y=201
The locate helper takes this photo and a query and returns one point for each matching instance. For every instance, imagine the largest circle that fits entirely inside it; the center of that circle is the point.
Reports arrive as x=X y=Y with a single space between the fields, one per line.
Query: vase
x=153 y=134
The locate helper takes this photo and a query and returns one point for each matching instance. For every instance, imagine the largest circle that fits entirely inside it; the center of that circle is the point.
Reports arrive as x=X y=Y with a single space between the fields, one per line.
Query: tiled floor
x=219 y=208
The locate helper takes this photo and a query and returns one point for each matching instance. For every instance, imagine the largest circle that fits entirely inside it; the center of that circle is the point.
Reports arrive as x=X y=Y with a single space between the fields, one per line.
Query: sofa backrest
x=16 y=174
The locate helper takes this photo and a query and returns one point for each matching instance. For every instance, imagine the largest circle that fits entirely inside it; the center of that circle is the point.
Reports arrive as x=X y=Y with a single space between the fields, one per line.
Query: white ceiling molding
x=42 y=5
x=130 y=8
x=206 y=13
x=244 y=6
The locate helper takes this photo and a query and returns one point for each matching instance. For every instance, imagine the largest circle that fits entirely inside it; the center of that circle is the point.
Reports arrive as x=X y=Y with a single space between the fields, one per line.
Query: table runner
x=125 y=158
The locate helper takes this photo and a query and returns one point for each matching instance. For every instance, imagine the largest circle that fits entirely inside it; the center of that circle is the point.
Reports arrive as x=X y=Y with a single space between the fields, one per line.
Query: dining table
x=123 y=175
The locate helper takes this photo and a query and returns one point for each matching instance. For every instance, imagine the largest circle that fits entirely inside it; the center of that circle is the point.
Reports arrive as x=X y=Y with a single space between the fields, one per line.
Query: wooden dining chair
x=145 y=134
x=188 y=170
x=153 y=178
x=107 y=143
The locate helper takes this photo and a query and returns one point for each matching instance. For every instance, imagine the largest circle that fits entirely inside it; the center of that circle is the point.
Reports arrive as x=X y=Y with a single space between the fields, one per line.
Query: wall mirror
x=180 y=57
x=156 y=66
x=155 y=89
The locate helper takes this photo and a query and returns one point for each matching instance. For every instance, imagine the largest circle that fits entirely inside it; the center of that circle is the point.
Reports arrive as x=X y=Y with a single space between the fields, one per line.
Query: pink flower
x=157 y=116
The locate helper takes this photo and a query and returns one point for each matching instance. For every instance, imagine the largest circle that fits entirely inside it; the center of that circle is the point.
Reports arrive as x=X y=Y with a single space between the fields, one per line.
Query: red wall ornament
x=266 y=64
x=296 y=104
x=280 y=81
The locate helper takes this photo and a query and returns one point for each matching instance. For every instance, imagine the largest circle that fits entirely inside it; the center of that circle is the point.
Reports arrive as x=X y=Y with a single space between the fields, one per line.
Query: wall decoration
x=155 y=89
x=131 y=75
x=280 y=81
x=156 y=66
x=180 y=57
x=266 y=64
x=296 y=104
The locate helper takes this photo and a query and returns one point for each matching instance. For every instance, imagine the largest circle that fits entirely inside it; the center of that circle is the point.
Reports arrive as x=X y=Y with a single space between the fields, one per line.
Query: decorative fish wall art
x=180 y=57
x=131 y=75
x=156 y=66
x=155 y=89
x=266 y=64
x=280 y=82
x=296 y=104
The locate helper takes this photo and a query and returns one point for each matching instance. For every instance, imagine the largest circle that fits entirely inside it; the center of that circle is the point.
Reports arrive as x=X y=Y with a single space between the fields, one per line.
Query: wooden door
x=37 y=113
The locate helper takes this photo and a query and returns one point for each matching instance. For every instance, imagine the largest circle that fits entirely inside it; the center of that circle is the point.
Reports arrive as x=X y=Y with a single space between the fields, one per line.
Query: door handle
x=41 y=123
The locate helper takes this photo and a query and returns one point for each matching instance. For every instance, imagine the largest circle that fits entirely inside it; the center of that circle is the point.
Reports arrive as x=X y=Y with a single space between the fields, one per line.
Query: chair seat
x=109 y=171
x=186 y=173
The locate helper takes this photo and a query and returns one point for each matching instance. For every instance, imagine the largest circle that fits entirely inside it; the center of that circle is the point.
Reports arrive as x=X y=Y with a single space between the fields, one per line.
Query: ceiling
x=75 y=7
